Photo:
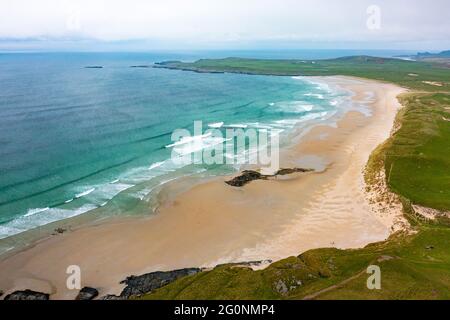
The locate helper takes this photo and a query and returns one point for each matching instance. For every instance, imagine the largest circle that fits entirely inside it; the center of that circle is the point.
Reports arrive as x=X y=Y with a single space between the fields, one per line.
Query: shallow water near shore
x=77 y=140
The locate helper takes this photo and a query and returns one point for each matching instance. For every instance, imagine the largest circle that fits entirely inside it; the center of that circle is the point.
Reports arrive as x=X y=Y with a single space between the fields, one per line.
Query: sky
x=226 y=24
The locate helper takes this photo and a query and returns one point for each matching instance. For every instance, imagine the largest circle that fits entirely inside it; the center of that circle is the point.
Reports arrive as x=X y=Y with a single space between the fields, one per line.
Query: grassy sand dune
x=418 y=156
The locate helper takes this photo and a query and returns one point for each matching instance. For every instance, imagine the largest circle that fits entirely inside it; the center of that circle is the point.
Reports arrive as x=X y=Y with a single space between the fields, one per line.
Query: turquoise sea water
x=75 y=140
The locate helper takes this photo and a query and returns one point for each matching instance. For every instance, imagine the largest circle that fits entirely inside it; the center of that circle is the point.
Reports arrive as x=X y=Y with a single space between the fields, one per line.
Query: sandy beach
x=214 y=223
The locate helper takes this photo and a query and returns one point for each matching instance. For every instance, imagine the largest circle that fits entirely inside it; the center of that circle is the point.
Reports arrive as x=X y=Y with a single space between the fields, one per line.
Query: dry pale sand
x=214 y=223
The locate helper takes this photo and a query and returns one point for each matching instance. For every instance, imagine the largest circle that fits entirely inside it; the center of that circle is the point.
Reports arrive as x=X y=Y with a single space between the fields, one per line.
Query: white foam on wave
x=156 y=165
x=6 y=231
x=142 y=174
x=236 y=126
x=167 y=180
x=287 y=122
x=109 y=191
x=259 y=125
x=40 y=218
x=198 y=145
x=32 y=212
x=101 y=193
x=137 y=175
x=84 y=193
x=315 y=95
x=322 y=86
x=295 y=106
x=290 y=123
x=186 y=140
x=143 y=193
x=216 y=125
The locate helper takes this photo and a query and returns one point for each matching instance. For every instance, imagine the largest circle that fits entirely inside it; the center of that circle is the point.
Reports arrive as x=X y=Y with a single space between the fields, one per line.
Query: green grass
x=418 y=155
x=417 y=163
x=409 y=74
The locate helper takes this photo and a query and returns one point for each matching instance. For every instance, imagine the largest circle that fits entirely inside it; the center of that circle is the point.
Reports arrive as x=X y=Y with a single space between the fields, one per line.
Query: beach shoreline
x=212 y=223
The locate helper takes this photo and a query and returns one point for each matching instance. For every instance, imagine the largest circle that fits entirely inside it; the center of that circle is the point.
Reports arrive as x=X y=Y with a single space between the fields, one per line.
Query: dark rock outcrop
x=283 y=172
x=87 y=293
x=60 y=230
x=248 y=176
x=27 y=295
x=138 y=285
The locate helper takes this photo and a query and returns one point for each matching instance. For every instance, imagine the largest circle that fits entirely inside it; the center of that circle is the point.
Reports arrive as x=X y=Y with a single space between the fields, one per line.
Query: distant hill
x=443 y=54
x=428 y=55
x=441 y=58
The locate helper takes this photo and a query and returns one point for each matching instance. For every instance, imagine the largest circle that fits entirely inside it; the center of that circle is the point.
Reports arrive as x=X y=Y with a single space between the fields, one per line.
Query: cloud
x=233 y=22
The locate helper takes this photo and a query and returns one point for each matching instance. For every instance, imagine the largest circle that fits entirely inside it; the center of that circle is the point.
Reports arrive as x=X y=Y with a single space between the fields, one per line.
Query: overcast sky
x=205 y=24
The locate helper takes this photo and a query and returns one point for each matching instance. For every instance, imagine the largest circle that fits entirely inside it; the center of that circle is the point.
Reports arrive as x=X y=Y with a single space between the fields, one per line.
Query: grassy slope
x=417 y=162
x=418 y=156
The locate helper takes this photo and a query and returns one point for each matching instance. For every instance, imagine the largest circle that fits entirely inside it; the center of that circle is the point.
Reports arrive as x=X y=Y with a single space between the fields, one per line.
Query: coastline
x=213 y=223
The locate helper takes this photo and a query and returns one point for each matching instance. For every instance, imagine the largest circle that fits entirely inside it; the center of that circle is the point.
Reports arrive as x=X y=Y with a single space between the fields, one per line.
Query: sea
x=98 y=141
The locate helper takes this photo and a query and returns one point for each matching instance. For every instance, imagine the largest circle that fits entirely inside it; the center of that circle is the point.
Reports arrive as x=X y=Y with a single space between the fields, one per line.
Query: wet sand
x=214 y=223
